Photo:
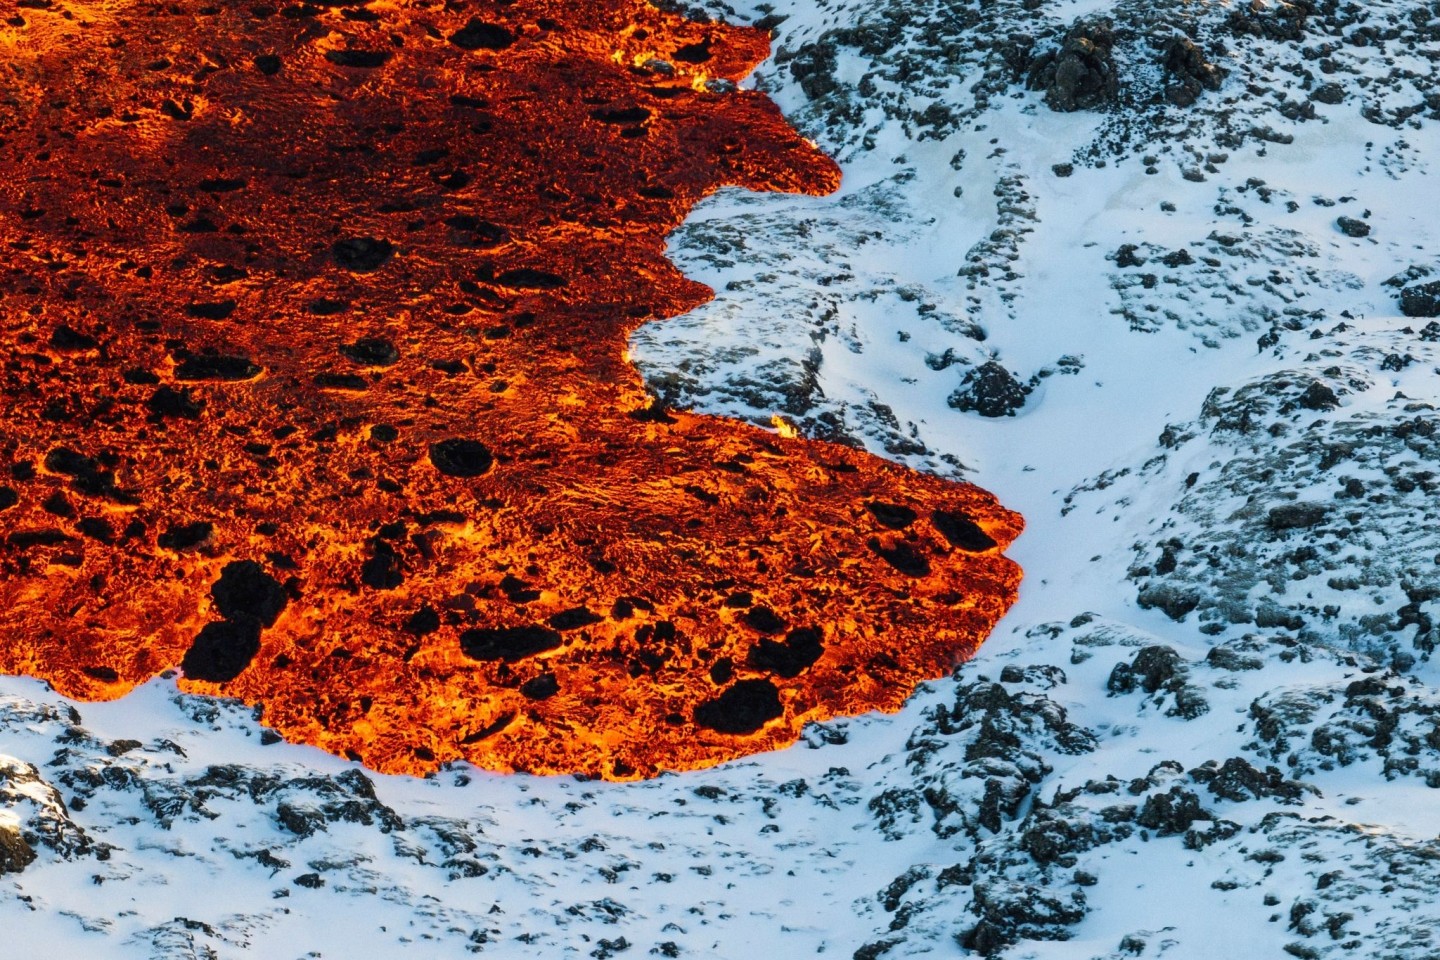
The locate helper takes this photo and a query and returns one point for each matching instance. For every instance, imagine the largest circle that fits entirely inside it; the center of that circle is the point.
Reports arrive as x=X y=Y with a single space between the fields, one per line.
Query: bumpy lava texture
x=315 y=387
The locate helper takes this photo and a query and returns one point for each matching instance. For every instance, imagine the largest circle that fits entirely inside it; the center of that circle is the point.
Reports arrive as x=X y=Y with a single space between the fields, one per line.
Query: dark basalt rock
x=961 y=531
x=892 y=515
x=479 y=35
x=169 y=403
x=246 y=592
x=741 y=709
x=213 y=310
x=460 y=457
x=362 y=254
x=902 y=557
x=1421 y=300
x=800 y=649
x=763 y=619
x=991 y=391
x=1188 y=72
x=1173 y=812
x=15 y=853
x=508 y=643
x=359 y=59
x=371 y=352
x=222 y=650
x=1081 y=74
x=542 y=687
x=186 y=535
x=222 y=367
x=574 y=618
x=1352 y=227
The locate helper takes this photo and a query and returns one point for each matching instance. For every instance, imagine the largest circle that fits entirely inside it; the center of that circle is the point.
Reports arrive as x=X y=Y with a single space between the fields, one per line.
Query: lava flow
x=313 y=323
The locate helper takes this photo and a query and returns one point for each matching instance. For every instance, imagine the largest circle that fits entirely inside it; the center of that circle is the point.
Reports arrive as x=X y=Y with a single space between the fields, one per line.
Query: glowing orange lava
x=312 y=348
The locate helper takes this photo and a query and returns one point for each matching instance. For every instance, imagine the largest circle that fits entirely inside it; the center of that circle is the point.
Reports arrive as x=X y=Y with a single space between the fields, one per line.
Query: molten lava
x=313 y=324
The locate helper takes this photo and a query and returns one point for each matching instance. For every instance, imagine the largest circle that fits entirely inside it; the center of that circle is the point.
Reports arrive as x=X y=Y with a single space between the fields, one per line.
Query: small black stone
x=217 y=367
x=892 y=515
x=222 y=651
x=218 y=310
x=66 y=337
x=507 y=643
x=764 y=619
x=542 y=687
x=371 y=352
x=422 y=622
x=574 y=618
x=167 y=402
x=460 y=457
x=479 y=35
x=268 y=64
x=902 y=557
x=741 y=709
x=362 y=254
x=359 y=59
x=186 y=535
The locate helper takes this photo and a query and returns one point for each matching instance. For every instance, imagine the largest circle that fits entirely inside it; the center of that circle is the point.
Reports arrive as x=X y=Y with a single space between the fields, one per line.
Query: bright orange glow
x=312 y=349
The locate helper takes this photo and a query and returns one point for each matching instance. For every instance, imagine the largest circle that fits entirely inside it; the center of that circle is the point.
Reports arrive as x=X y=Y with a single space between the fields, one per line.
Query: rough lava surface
x=316 y=386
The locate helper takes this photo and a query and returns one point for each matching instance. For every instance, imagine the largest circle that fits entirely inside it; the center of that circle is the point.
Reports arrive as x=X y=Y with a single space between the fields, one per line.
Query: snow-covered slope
x=1165 y=325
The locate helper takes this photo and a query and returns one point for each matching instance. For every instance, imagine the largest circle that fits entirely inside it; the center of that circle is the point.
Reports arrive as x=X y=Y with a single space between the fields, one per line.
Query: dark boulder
x=1080 y=74
x=479 y=35
x=222 y=650
x=362 y=254
x=790 y=657
x=961 y=531
x=246 y=592
x=741 y=709
x=508 y=643
x=991 y=391
x=461 y=457
x=1421 y=300
x=1188 y=73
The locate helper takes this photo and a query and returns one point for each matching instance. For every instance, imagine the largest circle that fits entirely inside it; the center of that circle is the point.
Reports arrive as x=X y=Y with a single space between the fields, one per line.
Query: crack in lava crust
x=314 y=324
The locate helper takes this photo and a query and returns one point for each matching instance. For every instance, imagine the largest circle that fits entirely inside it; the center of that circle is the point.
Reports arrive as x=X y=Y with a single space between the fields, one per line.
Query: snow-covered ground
x=1208 y=728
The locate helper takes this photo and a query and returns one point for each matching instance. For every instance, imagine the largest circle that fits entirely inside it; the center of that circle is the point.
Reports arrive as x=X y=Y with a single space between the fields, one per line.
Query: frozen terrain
x=1141 y=277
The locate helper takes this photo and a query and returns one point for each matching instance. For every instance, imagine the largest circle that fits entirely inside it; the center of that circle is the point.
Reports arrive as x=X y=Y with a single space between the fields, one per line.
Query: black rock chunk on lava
x=422 y=622
x=741 y=709
x=222 y=650
x=167 y=402
x=371 y=352
x=479 y=35
x=246 y=592
x=186 y=535
x=790 y=657
x=574 y=618
x=542 y=687
x=362 y=254
x=961 y=531
x=461 y=457
x=507 y=643
x=358 y=59
x=764 y=619
x=217 y=367
x=892 y=515
x=902 y=557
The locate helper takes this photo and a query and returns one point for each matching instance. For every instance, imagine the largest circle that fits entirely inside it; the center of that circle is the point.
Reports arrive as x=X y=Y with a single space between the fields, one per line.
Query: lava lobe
x=313 y=325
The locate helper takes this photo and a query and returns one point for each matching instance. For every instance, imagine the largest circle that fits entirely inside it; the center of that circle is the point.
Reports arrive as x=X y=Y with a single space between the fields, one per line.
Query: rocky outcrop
x=1081 y=73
